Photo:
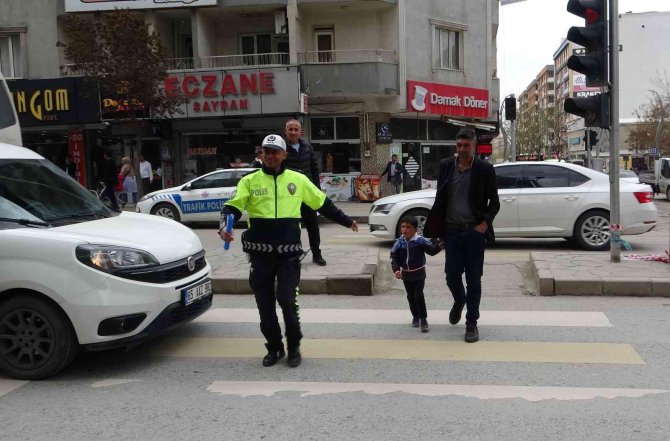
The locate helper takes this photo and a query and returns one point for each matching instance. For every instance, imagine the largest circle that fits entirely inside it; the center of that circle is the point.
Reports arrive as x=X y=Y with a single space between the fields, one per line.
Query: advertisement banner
x=76 y=147
x=110 y=5
x=236 y=92
x=444 y=99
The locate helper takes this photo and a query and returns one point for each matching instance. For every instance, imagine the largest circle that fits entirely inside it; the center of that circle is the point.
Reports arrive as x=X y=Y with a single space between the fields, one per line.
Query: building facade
x=367 y=79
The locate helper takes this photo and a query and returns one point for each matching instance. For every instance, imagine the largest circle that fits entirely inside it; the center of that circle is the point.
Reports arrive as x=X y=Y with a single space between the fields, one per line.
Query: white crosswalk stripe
x=396 y=316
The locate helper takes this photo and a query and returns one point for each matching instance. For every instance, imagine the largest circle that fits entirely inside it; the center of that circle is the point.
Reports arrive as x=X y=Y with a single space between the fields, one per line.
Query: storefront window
x=208 y=152
x=339 y=157
x=347 y=128
x=439 y=130
x=322 y=128
x=403 y=128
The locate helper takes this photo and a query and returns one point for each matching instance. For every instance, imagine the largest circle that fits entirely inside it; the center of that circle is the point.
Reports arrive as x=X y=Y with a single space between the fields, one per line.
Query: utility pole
x=615 y=250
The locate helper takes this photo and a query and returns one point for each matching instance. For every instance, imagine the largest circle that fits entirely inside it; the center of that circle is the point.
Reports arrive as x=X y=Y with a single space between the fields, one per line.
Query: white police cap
x=274 y=142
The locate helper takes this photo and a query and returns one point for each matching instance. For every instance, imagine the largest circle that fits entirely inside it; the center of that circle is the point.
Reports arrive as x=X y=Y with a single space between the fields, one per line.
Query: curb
x=337 y=284
x=589 y=284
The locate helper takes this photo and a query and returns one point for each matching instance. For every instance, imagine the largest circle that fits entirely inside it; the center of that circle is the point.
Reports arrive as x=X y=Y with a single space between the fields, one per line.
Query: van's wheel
x=36 y=339
x=592 y=230
x=166 y=210
x=420 y=214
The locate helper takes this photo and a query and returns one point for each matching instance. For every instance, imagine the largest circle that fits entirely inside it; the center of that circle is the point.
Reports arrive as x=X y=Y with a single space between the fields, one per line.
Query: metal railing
x=348 y=56
x=269 y=59
x=73 y=70
x=180 y=63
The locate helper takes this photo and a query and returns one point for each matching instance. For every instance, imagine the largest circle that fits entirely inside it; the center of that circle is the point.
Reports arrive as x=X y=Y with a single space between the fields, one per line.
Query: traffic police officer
x=272 y=197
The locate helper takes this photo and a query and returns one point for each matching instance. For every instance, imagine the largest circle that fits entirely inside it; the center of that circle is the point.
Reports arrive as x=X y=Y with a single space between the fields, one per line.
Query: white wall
x=645 y=39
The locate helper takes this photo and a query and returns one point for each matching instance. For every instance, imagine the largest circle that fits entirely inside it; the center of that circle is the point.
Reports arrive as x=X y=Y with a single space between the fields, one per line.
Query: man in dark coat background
x=465 y=205
x=302 y=157
x=394 y=172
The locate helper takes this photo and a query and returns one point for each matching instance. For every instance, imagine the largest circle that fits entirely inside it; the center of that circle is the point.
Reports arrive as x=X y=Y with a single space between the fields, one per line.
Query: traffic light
x=592 y=139
x=510 y=108
x=595 y=109
x=593 y=63
x=593 y=37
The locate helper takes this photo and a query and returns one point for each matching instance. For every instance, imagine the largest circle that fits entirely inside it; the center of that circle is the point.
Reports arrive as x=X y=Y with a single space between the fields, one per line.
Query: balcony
x=359 y=72
x=251 y=60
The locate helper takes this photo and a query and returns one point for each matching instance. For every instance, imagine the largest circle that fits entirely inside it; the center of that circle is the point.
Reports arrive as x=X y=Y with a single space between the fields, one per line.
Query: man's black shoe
x=415 y=322
x=294 y=358
x=456 y=311
x=319 y=260
x=471 y=334
x=273 y=355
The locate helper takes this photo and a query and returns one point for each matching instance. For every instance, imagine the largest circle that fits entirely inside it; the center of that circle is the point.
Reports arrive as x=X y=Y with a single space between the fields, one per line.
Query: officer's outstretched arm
x=317 y=200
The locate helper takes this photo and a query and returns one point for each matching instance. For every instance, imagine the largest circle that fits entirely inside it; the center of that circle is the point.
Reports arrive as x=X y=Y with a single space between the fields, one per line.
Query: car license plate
x=190 y=295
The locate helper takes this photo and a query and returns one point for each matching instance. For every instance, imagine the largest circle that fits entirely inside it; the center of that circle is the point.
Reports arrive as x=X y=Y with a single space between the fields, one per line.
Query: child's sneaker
x=424 y=325
x=415 y=322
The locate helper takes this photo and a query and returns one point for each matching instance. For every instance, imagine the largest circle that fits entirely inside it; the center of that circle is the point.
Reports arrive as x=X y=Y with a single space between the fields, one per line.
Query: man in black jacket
x=302 y=158
x=108 y=175
x=394 y=171
x=465 y=205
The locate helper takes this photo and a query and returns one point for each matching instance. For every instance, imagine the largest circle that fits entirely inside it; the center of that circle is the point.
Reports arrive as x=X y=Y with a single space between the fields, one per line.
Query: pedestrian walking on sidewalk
x=301 y=157
x=272 y=196
x=462 y=215
x=146 y=174
x=408 y=260
x=394 y=171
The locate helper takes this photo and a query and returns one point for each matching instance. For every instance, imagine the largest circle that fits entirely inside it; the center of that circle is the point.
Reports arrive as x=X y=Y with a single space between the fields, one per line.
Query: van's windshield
x=34 y=190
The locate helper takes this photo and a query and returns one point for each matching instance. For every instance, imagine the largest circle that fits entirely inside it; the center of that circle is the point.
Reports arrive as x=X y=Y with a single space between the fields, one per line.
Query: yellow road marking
x=528 y=352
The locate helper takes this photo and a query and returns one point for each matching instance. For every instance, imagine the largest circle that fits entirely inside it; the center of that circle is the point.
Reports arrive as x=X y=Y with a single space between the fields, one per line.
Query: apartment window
x=256 y=44
x=325 y=44
x=448 y=45
x=11 y=54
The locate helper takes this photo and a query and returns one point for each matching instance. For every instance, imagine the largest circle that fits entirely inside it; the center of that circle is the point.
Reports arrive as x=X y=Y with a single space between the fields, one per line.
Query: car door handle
x=509 y=199
x=571 y=198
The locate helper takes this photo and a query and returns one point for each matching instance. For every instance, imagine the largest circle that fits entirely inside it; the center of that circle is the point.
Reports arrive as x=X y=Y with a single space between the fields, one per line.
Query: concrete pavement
x=351 y=270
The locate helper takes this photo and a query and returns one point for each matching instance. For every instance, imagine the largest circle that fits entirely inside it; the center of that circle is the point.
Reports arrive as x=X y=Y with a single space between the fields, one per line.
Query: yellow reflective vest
x=273 y=204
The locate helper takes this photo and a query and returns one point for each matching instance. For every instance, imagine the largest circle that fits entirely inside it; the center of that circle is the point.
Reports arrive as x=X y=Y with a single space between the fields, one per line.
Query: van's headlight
x=383 y=208
x=146 y=196
x=110 y=258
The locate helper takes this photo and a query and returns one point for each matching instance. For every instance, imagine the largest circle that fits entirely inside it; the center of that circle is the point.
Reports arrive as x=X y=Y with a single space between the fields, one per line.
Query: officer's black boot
x=275 y=352
x=294 y=357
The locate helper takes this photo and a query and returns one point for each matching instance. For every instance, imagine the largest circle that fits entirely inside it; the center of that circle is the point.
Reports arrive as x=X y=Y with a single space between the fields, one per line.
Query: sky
x=530 y=32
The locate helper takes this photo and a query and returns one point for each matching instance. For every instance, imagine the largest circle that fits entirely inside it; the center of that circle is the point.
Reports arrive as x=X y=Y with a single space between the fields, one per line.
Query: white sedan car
x=539 y=199
x=200 y=199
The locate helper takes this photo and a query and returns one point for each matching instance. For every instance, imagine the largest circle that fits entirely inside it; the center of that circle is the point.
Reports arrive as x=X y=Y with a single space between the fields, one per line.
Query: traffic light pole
x=513 y=142
x=615 y=250
x=587 y=142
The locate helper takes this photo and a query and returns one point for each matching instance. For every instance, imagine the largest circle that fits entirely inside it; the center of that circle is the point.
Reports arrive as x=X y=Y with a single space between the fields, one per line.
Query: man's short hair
x=466 y=133
x=292 y=120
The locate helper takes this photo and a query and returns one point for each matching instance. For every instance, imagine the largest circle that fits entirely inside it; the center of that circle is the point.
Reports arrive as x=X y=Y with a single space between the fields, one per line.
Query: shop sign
x=444 y=99
x=75 y=140
x=236 y=92
x=384 y=135
x=55 y=101
x=110 y=5
x=201 y=151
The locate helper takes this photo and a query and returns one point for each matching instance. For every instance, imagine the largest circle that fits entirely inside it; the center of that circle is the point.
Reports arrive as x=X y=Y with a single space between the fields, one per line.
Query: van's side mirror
x=186 y=187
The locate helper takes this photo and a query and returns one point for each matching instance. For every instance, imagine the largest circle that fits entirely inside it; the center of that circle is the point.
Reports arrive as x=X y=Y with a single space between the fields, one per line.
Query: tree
x=127 y=59
x=534 y=130
x=653 y=129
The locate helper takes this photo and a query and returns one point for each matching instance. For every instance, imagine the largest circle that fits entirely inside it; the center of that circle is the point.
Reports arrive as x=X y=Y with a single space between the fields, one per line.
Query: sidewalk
x=351 y=270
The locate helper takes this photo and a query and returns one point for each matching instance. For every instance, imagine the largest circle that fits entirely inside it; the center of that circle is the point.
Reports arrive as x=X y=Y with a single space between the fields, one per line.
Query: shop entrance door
x=411 y=163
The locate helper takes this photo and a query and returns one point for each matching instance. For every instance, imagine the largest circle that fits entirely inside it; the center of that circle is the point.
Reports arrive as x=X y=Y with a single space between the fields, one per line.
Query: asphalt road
x=551 y=368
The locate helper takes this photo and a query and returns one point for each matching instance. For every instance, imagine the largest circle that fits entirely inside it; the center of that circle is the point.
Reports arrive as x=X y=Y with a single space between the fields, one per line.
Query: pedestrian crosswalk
x=243 y=345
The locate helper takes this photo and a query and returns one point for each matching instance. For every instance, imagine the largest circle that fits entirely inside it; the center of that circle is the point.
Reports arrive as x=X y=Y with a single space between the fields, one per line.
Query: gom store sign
x=236 y=92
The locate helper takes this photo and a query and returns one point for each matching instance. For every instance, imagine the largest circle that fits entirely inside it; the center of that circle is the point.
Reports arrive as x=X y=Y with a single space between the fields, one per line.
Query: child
x=408 y=260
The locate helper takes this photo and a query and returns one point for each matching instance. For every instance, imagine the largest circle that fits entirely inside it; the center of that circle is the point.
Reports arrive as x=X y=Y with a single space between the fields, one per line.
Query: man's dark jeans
x=465 y=253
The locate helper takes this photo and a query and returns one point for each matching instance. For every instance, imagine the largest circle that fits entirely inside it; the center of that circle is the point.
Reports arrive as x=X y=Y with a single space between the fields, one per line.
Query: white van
x=76 y=275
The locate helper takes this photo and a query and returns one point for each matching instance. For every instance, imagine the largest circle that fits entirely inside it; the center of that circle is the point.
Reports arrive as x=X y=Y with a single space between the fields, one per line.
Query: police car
x=200 y=199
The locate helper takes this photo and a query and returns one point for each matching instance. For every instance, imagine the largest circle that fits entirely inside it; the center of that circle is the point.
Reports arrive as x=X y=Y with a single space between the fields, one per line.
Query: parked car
x=200 y=199
x=627 y=176
x=659 y=178
x=544 y=199
x=76 y=275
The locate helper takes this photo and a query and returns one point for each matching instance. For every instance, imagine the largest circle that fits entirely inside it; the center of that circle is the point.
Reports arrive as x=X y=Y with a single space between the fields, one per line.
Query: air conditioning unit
x=281 y=22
